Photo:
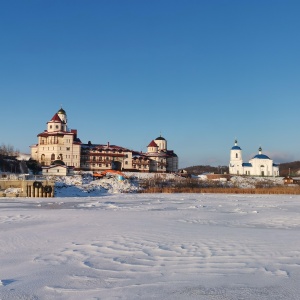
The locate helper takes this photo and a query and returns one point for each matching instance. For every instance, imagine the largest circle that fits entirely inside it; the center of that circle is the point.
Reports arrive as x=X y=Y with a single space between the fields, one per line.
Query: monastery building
x=58 y=144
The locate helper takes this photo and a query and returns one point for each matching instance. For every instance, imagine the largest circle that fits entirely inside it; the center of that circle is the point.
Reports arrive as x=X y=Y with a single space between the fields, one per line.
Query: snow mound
x=85 y=186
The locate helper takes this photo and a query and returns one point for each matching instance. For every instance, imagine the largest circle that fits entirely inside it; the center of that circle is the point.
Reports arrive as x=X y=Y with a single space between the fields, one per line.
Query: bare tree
x=8 y=150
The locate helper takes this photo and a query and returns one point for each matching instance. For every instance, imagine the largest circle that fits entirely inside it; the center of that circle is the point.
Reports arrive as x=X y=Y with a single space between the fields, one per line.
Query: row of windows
x=56 y=126
x=102 y=150
x=60 y=156
x=139 y=166
x=99 y=165
x=67 y=148
x=94 y=157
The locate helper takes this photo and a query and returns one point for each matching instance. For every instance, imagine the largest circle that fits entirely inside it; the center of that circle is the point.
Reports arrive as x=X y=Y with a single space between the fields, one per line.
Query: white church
x=259 y=165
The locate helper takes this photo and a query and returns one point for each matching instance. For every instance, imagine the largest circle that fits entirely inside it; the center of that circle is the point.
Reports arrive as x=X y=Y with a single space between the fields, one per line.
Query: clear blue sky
x=200 y=73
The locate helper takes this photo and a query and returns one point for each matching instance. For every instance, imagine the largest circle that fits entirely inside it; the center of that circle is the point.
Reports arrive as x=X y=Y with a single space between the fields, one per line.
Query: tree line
x=8 y=150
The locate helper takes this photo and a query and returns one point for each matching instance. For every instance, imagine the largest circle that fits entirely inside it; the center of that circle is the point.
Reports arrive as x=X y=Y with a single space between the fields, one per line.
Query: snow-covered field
x=150 y=246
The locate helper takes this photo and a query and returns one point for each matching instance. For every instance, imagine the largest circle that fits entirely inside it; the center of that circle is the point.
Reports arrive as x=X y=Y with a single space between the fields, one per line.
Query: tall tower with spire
x=236 y=159
x=63 y=116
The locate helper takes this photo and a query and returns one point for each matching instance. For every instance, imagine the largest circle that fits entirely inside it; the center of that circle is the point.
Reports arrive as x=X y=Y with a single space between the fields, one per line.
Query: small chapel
x=259 y=165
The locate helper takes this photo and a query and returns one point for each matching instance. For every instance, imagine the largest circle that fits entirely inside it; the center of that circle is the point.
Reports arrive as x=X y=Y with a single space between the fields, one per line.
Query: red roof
x=56 y=118
x=152 y=144
x=60 y=133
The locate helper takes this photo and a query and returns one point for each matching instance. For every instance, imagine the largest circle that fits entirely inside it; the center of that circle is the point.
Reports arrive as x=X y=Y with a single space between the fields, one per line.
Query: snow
x=102 y=240
x=149 y=246
x=24 y=156
x=83 y=185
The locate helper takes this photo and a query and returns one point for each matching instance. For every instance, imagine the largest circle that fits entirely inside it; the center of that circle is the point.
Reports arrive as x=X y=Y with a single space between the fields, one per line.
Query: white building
x=259 y=165
x=57 y=168
x=162 y=159
x=57 y=142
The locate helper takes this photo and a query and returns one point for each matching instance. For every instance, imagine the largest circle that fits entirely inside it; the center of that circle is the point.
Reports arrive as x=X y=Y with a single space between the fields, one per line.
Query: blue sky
x=200 y=73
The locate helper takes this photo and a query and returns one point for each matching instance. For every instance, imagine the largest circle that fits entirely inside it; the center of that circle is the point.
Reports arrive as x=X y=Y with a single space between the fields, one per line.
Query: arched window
x=53 y=156
x=60 y=156
x=236 y=155
x=42 y=157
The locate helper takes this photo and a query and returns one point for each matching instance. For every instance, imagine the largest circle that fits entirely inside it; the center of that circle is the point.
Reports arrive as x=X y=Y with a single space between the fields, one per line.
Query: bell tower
x=236 y=152
x=63 y=116
x=236 y=159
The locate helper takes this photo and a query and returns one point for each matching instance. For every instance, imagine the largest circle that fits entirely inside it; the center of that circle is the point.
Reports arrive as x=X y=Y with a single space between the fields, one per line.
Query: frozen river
x=151 y=246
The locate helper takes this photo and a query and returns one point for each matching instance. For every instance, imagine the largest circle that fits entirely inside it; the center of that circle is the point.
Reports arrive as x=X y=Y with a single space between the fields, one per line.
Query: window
x=236 y=155
x=53 y=156
x=50 y=128
x=126 y=162
x=68 y=148
x=57 y=171
x=56 y=126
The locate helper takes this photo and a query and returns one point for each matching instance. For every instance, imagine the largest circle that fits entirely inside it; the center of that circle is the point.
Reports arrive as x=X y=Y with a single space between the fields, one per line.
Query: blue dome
x=261 y=156
x=246 y=164
x=236 y=148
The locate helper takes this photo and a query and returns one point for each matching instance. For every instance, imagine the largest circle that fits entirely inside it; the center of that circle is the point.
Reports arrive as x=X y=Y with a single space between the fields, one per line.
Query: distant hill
x=196 y=170
x=289 y=168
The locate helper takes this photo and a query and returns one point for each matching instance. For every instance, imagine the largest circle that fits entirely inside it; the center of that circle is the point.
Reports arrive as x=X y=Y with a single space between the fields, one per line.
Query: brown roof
x=54 y=133
x=152 y=144
x=56 y=118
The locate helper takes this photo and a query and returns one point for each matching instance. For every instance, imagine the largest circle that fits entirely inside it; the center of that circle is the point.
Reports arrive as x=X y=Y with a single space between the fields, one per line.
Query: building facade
x=259 y=165
x=161 y=159
x=57 y=142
